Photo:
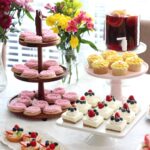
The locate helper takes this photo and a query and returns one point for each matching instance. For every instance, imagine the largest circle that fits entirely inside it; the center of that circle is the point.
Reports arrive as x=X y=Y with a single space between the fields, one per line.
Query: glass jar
x=3 y=77
x=122 y=30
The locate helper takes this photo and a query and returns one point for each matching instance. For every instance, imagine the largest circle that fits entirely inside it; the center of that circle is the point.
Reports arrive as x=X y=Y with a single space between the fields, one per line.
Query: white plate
x=140 y=146
x=102 y=129
x=16 y=146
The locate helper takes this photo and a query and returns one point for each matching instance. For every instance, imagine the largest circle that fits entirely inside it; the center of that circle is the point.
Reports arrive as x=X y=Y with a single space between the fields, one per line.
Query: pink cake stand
x=116 y=81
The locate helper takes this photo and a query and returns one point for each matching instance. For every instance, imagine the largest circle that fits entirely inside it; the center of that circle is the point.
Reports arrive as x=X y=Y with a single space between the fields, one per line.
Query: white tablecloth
x=73 y=139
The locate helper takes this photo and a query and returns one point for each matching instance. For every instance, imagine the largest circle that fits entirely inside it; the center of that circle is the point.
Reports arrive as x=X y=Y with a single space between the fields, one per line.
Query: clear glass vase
x=69 y=59
x=3 y=77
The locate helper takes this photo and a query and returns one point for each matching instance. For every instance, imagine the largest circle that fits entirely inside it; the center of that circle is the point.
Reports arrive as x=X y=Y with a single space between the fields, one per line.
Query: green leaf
x=29 y=15
x=89 y=43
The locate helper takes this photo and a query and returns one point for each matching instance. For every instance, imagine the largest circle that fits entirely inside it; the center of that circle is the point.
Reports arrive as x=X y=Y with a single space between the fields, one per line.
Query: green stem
x=70 y=73
x=77 y=73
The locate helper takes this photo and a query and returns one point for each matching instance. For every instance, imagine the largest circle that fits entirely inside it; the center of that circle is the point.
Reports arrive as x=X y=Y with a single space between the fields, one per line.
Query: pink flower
x=4 y=5
x=29 y=8
x=90 y=25
x=5 y=21
x=72 y=26
x=81 y=17
x=52 y=8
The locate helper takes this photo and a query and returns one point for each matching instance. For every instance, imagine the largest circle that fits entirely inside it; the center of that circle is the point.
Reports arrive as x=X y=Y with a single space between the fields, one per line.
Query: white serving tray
x=102 y=129
x=17 y=146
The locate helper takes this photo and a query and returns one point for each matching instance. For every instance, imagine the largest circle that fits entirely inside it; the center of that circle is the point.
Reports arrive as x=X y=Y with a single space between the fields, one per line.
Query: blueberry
x=128 y=111
x=75 y=108
x=46 y=143
x=117 y=119
x=28 y=144
x=86 y=93
x=121 y=119
x=105 y=105
x=123 y=110
x=93 y=94
x=56 y=143
x=135 y=102
x=128 y=101
x=95 y=110
x=29 y=132
x=112 y=118
x=77 y=101
x=97 y=113
x=14 y=129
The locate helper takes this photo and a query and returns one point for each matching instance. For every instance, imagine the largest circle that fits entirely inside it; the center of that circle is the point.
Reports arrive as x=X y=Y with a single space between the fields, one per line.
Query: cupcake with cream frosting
x=135 y=63
x=113 y=58
x=108 y=53
x=91 y=58
x=119 y=68
x=126 y=55
x=100 y=66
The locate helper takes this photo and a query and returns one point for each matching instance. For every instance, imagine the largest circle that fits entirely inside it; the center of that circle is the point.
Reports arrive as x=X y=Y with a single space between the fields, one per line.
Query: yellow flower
x=55 y=30
x=50 y=20
x=74 y=41
x=63 y=21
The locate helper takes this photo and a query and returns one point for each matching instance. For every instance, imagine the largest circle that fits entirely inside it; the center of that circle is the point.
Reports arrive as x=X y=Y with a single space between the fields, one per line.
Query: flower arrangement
x=70 y=23
x=11 y=14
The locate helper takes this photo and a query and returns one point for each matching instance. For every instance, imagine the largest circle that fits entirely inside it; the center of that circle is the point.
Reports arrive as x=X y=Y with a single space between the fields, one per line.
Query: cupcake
x=113 y=58
x=91 y=58
x=100 y=66
x=119 y=68
x=108 y=53
x=126 y=55
x=134 y=63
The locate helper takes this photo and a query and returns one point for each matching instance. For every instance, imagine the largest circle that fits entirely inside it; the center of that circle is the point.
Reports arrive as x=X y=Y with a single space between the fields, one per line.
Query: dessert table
x=73 y=139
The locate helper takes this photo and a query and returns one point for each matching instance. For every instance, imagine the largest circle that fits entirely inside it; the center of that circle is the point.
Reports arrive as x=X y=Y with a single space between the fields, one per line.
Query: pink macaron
x=49 y=37
x=27 y=93
x=51 y=98
x=59 y=90
x=47 y=74
x=32 y=64
x=30 y=73
x=33 y=39
x=16 y=107
x=57 y=69
x=32 y=111
x=18 y=68
x=52 y=109
x=39 y=103
x=64 y=103
x=48 y=63
x=25 y=100
x=25 y=34
x=72 y=96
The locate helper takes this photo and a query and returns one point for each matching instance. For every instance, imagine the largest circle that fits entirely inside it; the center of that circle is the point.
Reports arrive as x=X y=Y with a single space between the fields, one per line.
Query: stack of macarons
x=51 y=69
x=55 y=102
x=46 y=37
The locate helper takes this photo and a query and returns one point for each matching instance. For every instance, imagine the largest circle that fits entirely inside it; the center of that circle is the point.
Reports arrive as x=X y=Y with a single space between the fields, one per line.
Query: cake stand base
x=101 y=141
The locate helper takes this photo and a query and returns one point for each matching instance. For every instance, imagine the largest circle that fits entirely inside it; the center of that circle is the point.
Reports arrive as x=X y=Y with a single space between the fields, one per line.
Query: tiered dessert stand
x=100 y=136
x=38 y=23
